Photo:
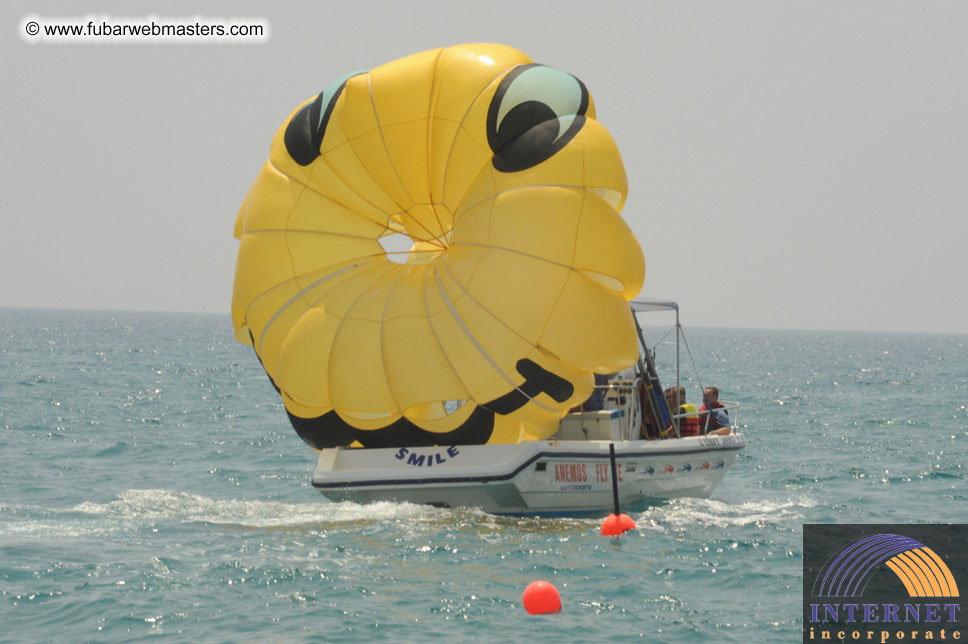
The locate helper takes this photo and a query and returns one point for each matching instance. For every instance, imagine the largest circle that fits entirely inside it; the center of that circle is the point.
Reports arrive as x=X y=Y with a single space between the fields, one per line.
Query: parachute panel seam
x=294 y=299
x=383 y=359
x=342 y=320
x=474 y=340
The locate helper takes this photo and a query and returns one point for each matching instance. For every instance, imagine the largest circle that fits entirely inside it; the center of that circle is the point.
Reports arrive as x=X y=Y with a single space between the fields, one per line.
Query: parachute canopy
x=512 y=288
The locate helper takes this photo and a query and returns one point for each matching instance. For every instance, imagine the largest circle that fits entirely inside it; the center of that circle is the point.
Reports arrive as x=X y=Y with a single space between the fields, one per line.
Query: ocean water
x=151 y=489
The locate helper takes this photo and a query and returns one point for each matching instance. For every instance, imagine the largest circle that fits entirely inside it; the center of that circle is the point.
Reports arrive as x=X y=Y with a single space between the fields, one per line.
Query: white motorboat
x=569 y=473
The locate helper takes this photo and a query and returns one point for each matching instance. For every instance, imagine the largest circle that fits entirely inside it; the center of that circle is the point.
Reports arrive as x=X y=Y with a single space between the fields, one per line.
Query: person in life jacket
x=716 y=418
x=689 y=425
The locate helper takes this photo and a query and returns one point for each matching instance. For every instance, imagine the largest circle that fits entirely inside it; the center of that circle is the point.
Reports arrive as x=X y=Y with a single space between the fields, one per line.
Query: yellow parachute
x=514 y=289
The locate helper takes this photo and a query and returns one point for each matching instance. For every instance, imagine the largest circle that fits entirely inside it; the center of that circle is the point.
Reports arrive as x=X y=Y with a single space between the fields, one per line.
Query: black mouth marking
x=329 y=430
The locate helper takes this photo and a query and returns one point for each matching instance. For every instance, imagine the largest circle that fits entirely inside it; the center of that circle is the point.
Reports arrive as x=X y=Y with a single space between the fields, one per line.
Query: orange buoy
x=617 y=524
x=540 y=597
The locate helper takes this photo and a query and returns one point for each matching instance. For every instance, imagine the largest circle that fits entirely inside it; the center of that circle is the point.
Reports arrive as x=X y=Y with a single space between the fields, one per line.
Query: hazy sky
x=790 y=164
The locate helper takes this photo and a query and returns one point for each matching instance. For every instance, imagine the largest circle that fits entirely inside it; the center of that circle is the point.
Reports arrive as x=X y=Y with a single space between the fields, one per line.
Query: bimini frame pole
x=678 y=382
x=650 y=377
x=661 y=412
x=678 y=335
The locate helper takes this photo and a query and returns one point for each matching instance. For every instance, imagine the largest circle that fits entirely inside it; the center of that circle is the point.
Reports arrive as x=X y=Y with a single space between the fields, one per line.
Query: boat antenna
x=611 y=456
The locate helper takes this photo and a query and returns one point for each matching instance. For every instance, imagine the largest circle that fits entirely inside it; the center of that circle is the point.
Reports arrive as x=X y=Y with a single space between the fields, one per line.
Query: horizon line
x=691 y=326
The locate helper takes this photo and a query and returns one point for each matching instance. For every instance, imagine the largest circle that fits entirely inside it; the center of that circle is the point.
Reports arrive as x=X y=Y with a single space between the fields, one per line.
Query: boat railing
x=731 y=408
x=624 y=397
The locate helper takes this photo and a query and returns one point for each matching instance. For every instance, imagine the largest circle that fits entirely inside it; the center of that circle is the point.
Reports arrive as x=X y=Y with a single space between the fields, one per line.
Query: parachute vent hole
x=450 y=406
x=397 y=247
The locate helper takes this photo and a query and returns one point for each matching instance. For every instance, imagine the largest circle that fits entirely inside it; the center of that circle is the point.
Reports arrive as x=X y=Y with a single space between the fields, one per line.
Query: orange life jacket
x=712 y=424
x=689 y=426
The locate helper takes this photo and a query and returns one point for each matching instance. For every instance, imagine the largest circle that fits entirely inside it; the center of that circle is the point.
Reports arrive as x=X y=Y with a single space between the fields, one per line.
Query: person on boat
x=715 y=418
x=653 y=412
x=688 y=425
x=596 y=401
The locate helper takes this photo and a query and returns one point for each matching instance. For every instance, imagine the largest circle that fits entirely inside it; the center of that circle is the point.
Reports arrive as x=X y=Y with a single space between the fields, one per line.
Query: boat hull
x=557 y=477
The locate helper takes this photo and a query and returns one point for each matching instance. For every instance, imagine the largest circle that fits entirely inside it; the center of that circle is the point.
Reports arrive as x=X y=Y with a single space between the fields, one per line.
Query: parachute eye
x=535 y=112
x=305 y=131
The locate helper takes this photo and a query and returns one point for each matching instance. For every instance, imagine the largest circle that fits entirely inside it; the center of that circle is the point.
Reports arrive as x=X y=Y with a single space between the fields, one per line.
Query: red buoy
x=540 y=597
x=616 y=524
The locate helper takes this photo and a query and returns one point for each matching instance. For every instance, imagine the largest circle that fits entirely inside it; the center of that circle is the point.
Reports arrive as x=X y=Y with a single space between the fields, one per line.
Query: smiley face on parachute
x=514 y=290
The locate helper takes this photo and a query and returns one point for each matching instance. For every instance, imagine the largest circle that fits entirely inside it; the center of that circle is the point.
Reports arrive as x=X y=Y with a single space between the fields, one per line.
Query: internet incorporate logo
x=922 y=572
x=909 y=591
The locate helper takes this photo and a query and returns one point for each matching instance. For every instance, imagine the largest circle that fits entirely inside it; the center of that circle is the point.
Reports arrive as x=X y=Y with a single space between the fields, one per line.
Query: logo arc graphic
x=920 y=569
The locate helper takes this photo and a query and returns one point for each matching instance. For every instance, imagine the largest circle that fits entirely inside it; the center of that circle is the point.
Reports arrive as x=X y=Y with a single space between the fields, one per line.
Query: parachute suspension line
x=362 y=197
x=516 y=252
x=440 y=345
x=370 y=174
x=457 y=208
x=431 y=238
x=467 y=332
x=691 y=359
x=453 y=144
x=450 y=273
x=297 y=231
x=323 y=195
x=480 y=349
x=431 y=104
x=448 y=237
x=404 y=212
x=386 y=148
x=295 y=298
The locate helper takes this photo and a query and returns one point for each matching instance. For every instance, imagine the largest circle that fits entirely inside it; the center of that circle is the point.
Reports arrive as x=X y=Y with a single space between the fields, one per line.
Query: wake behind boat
x=566 y=474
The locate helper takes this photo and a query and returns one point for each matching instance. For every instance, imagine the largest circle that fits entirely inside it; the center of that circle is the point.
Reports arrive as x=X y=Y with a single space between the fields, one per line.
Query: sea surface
x=151 y=489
